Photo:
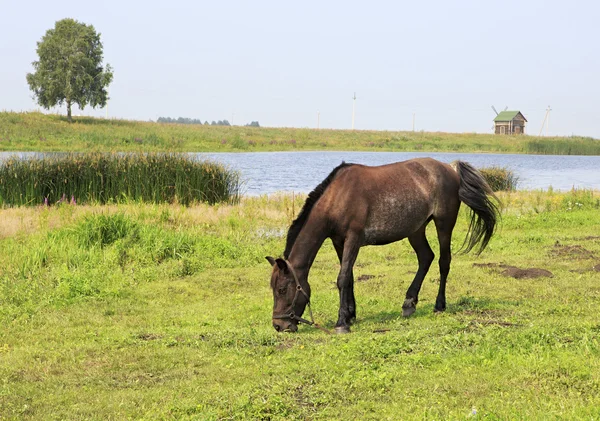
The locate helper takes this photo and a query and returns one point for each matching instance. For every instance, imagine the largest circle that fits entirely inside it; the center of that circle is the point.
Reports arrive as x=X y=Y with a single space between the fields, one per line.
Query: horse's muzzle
x=284 y=326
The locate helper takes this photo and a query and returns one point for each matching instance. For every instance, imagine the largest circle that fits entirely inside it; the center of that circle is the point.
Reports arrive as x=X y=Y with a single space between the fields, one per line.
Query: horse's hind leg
x=345 y=284
x=425 y=255
x=444 y=231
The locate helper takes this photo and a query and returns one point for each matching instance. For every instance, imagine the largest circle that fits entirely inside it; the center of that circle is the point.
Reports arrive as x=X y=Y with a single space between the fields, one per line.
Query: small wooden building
x=510 y=122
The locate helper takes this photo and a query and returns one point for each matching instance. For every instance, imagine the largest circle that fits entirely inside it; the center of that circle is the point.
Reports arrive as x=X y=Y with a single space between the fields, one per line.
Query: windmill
x=494 y=108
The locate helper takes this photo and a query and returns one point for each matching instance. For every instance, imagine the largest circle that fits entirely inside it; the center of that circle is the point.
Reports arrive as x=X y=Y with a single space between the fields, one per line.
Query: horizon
x=286 y=65
x=100 y=117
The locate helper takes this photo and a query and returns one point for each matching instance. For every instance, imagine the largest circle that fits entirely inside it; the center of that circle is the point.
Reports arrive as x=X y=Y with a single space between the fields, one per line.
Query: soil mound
x=571 y=252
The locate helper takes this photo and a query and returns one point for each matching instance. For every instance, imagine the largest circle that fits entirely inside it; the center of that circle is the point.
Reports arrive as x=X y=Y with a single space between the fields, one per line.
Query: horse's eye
x=282 y=291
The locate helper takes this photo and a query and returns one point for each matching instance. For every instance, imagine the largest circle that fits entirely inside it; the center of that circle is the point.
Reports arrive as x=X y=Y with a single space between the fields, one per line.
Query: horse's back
x=389 y=202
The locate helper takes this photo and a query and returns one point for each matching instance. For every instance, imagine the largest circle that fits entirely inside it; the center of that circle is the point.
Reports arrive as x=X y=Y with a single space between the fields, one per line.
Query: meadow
x=52 y=133
x=162 y=311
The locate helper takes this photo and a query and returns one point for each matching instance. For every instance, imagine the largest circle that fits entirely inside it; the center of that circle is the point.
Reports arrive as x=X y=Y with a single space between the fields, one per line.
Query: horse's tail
x=475 y=192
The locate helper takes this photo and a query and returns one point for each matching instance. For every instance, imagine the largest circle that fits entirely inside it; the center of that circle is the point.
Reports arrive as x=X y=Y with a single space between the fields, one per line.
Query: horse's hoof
x=439 y=310
x=342 y=329
x=407 y=312
x=409 y=307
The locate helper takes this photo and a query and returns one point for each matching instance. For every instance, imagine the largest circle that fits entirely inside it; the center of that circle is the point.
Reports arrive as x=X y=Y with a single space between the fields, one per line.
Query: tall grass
x=500 y=179
x=564 y=146
x=115 y=178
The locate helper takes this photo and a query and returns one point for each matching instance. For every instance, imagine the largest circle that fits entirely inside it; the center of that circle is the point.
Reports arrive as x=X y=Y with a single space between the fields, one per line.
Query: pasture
x=52 y=133
x=160 y=311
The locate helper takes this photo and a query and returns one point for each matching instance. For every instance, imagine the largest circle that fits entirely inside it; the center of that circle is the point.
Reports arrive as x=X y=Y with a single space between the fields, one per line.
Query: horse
x=357 y=206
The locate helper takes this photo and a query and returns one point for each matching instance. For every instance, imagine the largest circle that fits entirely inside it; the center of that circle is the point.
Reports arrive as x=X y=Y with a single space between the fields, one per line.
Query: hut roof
x=508 y=116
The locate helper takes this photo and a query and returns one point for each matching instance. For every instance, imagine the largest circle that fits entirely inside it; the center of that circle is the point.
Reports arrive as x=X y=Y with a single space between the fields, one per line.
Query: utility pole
x=353 y=109
x=546 y=120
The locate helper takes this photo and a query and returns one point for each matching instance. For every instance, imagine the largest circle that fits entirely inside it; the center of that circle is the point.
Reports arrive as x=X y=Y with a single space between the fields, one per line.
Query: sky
x=298 y=64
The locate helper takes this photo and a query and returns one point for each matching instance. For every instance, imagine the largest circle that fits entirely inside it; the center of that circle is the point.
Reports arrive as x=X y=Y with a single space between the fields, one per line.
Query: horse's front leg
x=345 y=284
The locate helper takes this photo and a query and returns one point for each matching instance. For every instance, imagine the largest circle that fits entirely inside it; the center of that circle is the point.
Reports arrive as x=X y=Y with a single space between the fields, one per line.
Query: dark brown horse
x=356 y=206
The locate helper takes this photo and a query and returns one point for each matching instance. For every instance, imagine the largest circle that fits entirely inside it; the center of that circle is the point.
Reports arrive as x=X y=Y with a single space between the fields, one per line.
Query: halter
x=292 y=314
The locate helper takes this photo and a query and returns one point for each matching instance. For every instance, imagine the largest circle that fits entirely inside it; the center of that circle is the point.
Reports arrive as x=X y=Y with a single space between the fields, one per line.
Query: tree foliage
x=180 y=120
x=69 y=70
x=185 y=120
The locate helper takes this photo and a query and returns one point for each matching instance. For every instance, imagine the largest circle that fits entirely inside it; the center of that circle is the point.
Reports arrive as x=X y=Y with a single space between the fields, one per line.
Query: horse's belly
x=393 y=223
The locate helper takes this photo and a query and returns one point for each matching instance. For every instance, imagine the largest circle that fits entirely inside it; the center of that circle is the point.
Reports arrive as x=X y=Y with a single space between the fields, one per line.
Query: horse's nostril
x=277 y=327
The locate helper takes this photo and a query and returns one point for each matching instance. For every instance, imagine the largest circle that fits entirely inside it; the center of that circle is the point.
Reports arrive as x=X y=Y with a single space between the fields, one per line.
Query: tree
x=69 y=70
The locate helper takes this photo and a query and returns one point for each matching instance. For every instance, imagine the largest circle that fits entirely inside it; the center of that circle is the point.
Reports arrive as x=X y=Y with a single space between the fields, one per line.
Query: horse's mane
x=312 y=198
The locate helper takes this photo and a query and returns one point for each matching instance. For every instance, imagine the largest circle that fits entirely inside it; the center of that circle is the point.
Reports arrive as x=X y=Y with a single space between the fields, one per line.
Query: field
x=45 y=133
x=148 y=311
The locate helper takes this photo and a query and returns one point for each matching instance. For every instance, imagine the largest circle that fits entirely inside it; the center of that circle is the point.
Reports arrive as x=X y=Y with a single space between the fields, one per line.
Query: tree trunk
x=69 y=112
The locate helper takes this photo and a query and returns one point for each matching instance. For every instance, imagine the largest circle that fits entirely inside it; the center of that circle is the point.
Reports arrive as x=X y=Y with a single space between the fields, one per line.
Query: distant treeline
x=183 y=120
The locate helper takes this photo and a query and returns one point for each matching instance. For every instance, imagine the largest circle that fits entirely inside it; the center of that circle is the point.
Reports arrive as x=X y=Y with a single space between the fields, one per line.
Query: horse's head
x=290 y=296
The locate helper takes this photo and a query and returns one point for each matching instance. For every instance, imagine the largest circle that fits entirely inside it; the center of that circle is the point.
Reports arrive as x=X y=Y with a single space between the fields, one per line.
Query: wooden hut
x=510 y=122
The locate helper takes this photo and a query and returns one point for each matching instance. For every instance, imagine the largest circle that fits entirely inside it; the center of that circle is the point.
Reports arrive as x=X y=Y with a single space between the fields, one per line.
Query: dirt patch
x=284 y=345
x=529 y=273
x=595 y=268
x=148 y=336
x=483 y=312
x=491 y=265
x=363 y=278
x=571 y=252
x=492 y=322
x=515 y=272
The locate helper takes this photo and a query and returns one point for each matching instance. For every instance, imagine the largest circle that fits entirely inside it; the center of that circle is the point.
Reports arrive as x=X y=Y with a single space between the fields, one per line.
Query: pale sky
x=282 y=62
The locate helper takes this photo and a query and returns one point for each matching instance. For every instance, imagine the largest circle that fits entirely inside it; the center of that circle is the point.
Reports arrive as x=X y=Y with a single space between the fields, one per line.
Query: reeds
x=574 y=145
x=115 y=178
x=499 y=178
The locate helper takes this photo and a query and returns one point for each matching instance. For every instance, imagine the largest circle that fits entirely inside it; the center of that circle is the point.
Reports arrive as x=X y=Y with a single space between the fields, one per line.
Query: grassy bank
x=100 y=178
x=39 y=132
x=163 y=312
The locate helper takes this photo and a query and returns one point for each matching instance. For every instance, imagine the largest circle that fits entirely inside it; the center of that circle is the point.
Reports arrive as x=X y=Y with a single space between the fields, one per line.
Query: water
x=269 y=172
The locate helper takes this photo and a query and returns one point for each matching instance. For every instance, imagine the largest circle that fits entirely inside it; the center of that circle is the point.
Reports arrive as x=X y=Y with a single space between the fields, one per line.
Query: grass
x=500 y=178
x=105 y=178
x=160 y=311
x=47 y=133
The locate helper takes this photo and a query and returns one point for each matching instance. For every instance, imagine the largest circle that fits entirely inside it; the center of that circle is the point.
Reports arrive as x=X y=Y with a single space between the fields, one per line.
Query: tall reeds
x=574 y=145
x=115 y=178
x=499 y=178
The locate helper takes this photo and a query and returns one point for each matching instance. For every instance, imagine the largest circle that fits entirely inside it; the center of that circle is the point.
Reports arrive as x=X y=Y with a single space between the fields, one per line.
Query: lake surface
x=269 y=172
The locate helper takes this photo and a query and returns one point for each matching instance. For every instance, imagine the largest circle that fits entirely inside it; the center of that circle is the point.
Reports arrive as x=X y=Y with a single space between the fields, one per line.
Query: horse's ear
x=271 y=260
x=282 y=265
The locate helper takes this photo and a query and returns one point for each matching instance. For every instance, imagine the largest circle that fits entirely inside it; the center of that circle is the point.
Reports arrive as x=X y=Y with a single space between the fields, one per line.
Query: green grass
x=142 y=311
x=46 y=133
x=114 y=178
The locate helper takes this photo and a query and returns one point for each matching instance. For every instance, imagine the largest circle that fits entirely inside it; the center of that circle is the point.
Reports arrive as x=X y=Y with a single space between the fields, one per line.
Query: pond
x=269 y=172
